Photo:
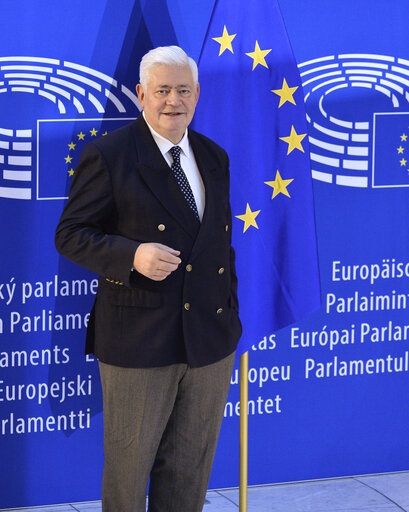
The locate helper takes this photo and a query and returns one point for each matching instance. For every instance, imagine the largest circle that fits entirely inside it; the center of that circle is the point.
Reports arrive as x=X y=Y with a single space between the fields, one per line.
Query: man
x=149 y=212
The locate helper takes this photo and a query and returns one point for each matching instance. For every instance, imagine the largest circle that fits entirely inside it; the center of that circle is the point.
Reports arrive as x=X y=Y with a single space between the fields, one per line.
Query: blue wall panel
x=328 y=394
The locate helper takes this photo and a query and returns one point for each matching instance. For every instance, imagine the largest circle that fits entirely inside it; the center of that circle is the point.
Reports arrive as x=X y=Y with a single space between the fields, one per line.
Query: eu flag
x=252 y=104
x=390 y=161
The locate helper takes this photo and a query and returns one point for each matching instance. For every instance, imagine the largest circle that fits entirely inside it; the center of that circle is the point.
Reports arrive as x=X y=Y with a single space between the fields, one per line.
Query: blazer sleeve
x=233 y=276
x=86 y=231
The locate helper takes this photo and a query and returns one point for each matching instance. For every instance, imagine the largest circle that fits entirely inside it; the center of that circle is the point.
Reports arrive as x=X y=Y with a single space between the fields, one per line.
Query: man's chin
x=174 y=130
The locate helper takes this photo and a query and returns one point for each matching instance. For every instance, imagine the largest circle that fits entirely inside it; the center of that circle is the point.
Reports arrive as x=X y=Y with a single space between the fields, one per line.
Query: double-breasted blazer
x=123 y=194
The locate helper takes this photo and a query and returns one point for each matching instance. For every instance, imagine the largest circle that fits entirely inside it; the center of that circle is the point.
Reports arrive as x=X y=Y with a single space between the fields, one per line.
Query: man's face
x=169 y=100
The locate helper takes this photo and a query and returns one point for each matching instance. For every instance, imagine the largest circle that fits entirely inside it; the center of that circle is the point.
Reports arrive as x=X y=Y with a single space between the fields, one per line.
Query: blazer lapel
x=159 y=178
x=215 y=189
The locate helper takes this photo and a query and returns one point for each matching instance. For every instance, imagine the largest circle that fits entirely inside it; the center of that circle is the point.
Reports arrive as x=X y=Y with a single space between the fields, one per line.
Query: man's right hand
x=156 y=261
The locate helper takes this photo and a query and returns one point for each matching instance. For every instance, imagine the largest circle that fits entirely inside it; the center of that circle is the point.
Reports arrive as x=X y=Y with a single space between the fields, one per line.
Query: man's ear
x=140 y=93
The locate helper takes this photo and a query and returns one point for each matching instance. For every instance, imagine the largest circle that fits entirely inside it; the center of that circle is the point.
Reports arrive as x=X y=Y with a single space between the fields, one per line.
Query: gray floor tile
x=214 y=503
x=389 y=508
x=91 y=506
x=395 y=486
x=218 y=503
x=379 y=493
x=51 y=508
x=322 y=496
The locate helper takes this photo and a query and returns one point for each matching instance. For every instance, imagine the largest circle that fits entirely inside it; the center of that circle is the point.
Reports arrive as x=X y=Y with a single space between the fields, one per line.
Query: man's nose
x=173 y=97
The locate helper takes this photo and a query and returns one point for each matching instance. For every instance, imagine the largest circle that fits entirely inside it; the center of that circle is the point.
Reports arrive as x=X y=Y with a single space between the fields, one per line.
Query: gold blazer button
x=187 y=306
x=221 y=270
x=189 y=267
x=161 y=227
x=219 y=311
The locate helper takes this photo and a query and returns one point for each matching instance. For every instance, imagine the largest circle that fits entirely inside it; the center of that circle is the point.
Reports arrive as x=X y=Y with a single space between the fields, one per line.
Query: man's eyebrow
x=166 y=86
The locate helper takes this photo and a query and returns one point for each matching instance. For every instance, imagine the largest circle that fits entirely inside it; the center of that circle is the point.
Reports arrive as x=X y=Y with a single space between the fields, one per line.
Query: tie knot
x=175 y=152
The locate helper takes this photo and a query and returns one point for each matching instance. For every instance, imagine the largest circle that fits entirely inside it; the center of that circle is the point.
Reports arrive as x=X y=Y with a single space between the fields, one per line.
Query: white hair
x=171 y=55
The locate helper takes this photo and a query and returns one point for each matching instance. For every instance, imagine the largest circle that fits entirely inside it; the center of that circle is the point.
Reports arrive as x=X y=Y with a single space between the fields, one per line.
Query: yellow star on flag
x=403 y=162
x=71 y=172
x=225 y=41
x=403 y=137
x=294 y=140
x=106 y=133
x=81 y=136
x=93 y=132
x=285 y=93
x=279 y=185
x=258 y=56
x=401 y=149
x=71 y=146
x=249 y=218
x=68 y=159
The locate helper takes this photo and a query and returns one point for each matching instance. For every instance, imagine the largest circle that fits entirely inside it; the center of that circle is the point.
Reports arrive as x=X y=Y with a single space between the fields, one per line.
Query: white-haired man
x=149 y=212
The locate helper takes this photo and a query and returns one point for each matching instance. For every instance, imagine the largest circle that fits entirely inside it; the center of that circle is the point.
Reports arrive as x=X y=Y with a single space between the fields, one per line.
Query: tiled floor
x=379 y=493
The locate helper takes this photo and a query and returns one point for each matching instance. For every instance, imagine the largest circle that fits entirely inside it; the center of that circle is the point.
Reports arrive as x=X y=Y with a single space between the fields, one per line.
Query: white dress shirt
x=187 y=161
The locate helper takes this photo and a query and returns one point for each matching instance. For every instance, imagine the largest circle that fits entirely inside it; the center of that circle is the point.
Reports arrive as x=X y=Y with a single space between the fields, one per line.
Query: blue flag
x=391 y=145
x=252 y=104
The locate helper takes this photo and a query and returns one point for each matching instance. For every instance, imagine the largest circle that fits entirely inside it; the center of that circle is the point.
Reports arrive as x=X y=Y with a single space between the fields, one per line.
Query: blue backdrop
x=328 y=394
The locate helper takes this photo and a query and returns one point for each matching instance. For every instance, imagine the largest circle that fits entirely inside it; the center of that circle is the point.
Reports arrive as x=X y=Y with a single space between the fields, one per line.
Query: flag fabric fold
x=252 y=104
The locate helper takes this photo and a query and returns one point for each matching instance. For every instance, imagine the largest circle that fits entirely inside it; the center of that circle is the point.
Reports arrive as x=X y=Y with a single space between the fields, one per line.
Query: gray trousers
x=161 y=423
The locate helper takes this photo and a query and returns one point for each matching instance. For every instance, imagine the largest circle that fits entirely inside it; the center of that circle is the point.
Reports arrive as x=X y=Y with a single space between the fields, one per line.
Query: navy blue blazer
x=123 y=194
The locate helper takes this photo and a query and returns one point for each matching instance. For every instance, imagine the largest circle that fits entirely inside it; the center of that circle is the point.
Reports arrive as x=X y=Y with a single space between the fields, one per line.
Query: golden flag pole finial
x=244 y=398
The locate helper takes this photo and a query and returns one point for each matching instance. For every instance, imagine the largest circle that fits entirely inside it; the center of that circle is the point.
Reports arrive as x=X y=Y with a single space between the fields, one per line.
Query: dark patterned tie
x=182 y=180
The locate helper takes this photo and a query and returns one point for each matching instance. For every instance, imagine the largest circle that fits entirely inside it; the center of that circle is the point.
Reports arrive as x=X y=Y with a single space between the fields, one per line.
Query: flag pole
x=244 y=398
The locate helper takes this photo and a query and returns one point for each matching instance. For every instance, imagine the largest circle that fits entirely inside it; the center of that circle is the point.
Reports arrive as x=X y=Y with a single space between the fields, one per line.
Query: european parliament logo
x=50 y=109
x=357 y=110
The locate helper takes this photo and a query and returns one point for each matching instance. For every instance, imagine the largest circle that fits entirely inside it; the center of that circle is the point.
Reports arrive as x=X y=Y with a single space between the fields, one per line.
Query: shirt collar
x=165 y=145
